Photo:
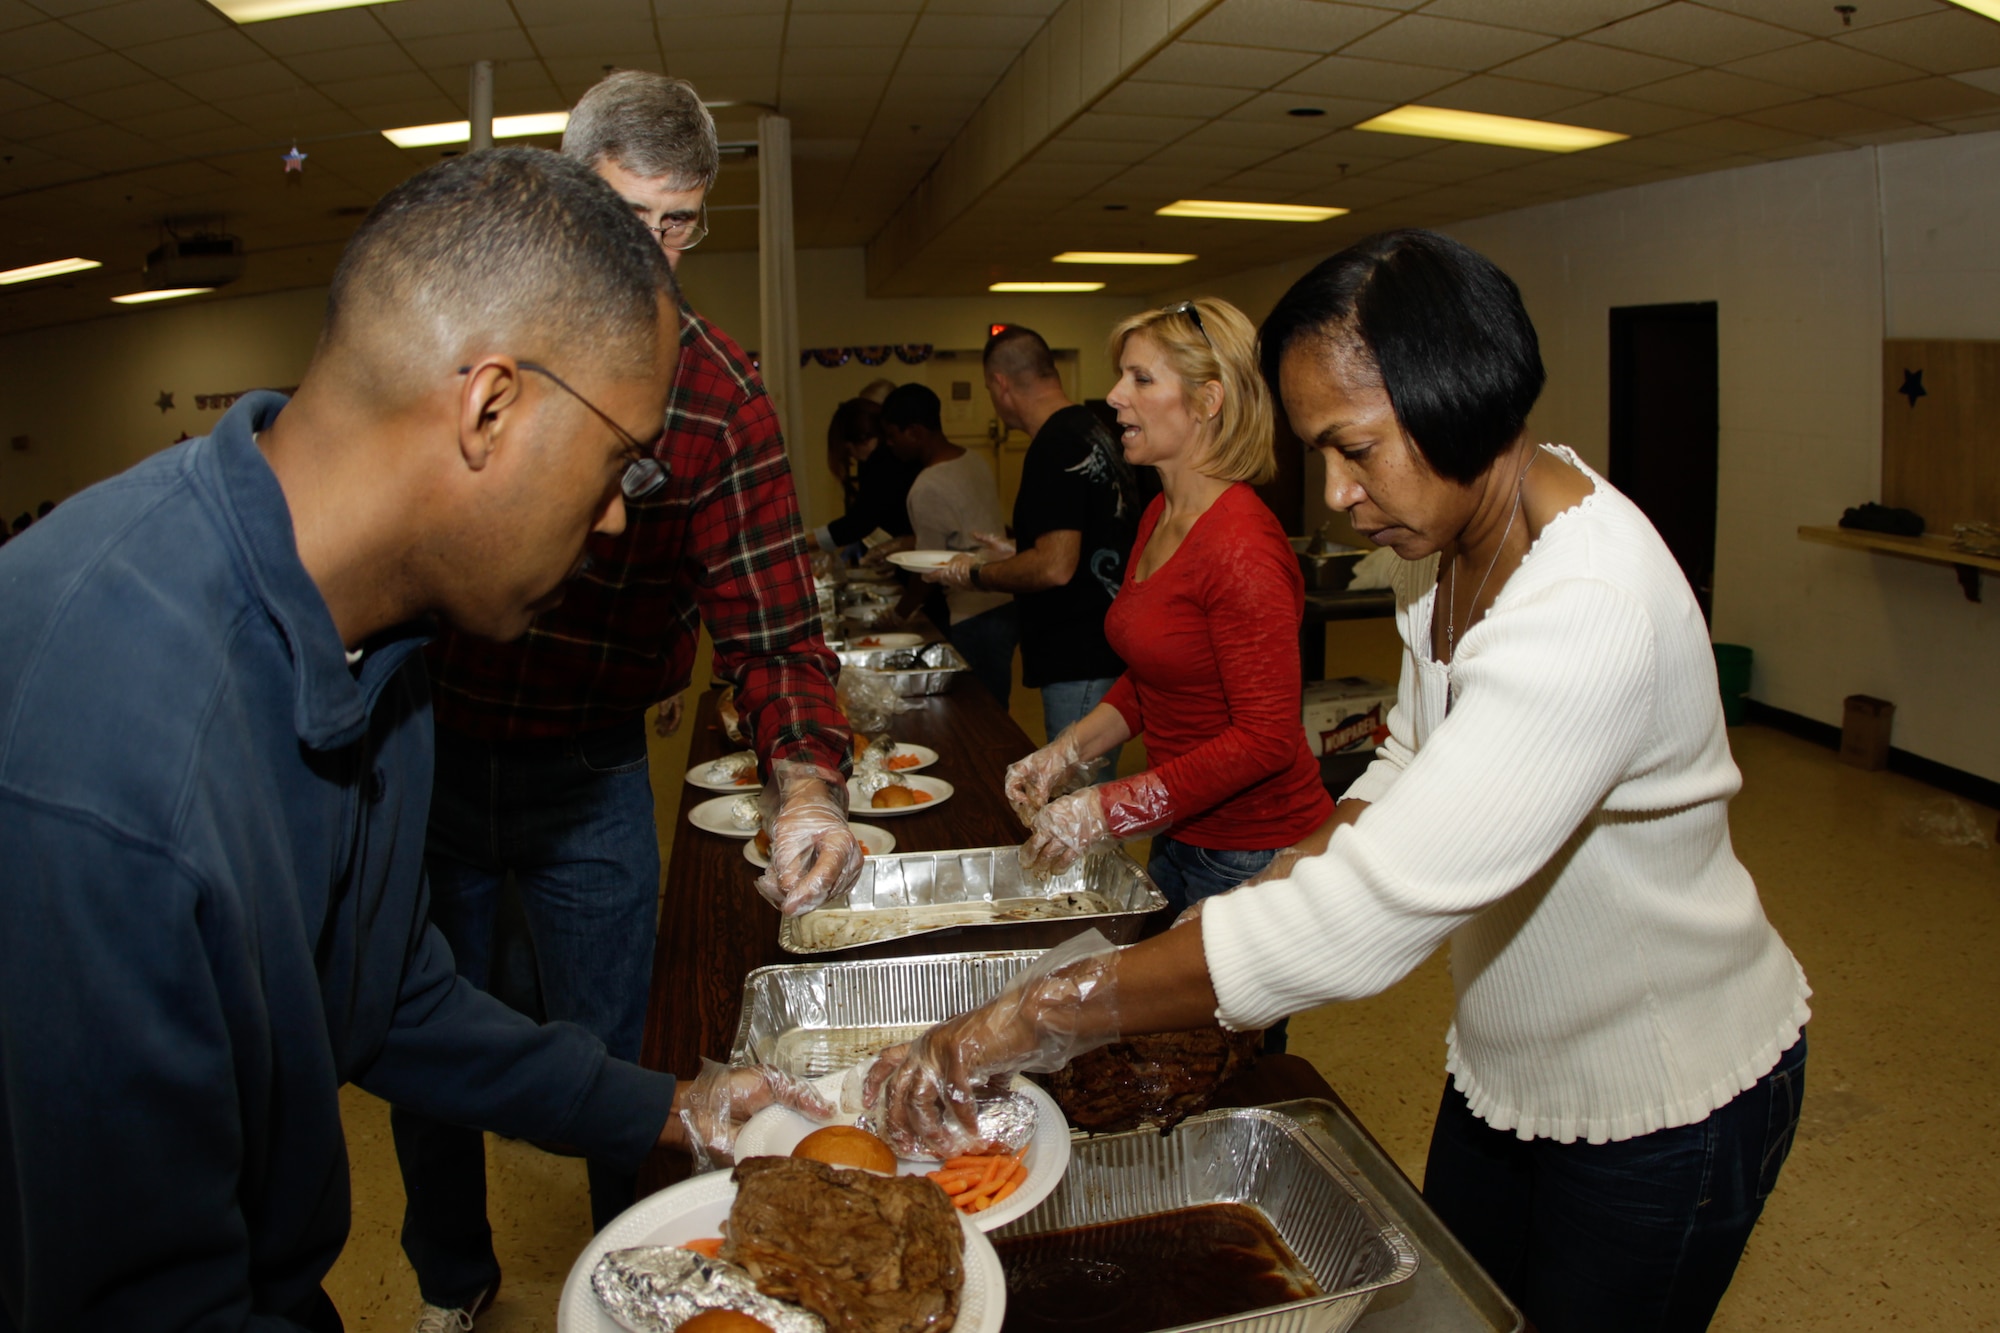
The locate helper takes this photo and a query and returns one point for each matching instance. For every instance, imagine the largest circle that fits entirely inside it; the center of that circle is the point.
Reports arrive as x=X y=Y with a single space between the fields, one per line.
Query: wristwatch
x=976 y=580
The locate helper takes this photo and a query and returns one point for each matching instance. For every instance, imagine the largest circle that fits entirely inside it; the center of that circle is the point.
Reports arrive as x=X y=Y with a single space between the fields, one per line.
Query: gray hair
x=649 y=124
x=519 y=246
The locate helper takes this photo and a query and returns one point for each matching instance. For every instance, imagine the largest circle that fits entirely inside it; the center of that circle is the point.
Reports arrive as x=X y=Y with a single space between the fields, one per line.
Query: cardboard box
x=1864 y=733
x=1346 y=715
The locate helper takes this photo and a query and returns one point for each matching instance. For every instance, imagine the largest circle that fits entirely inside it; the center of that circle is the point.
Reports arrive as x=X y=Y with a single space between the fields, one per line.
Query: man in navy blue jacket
x=215 y=766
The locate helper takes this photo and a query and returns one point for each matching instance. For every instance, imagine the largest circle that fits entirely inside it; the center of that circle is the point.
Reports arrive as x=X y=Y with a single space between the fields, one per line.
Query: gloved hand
x=1068 y=829
x=713 y=1106
x=956 y=574
x=1049 y=772
x=667 y=720
x=814 y=855
x=925 y=1094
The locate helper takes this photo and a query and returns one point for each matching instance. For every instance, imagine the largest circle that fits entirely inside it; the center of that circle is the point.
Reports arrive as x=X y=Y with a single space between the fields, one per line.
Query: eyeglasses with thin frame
x=682 y=231
x=645 y=474
x=1193 y=312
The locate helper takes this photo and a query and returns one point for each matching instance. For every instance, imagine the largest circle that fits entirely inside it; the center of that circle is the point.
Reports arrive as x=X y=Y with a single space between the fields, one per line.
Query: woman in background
x=878 y=487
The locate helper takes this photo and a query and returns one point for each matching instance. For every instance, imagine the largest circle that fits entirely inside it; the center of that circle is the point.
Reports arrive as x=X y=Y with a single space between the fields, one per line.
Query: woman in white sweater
x=1626 y=1059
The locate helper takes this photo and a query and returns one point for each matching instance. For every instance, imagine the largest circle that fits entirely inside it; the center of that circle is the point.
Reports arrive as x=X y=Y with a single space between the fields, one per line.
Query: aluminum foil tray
x=909 y=684
x=919 y=902
x=1256 y=1157
x=811 y=1019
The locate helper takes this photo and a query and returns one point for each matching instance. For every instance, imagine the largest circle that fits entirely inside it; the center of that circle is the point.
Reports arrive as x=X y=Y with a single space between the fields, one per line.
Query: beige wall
x=1795 y=257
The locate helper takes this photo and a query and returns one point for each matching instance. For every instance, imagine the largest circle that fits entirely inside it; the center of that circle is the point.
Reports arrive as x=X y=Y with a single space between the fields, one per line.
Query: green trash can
x=1732 y=674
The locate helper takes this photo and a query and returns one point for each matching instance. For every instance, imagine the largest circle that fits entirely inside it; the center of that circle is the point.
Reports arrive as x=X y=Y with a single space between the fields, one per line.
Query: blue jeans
x=572 y=821
x=1064 y=703
x=1186 y=874
x=1642 y=1235
x=986 y=641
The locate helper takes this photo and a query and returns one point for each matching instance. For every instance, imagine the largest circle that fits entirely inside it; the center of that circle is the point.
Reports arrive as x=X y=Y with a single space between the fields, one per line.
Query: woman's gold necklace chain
x=1451 y=602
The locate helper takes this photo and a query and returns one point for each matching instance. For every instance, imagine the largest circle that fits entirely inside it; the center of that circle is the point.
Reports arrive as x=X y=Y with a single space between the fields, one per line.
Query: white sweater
x=1567 y=827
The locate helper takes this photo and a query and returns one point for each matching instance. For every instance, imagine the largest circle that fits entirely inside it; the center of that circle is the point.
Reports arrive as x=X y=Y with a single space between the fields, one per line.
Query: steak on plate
x=867 y=1253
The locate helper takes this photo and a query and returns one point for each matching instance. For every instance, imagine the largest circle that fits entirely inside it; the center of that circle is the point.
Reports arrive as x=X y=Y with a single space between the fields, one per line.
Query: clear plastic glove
x=926 y=1094
x=667 y=720
x=722 y=1097
x=1068 y=829
x=994 y=546
x=957 y=573
x=814 y=855
x=1049 y=772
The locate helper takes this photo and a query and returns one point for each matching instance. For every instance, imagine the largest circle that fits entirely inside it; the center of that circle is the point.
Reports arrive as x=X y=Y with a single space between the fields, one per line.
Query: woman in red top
x=1207 y=622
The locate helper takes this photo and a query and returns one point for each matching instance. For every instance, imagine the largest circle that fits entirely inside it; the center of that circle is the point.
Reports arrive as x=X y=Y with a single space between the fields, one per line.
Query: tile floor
x=1888 y=1214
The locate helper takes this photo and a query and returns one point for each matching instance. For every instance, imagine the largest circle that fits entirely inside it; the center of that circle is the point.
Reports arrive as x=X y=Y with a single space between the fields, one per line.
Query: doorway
x=1664 y=427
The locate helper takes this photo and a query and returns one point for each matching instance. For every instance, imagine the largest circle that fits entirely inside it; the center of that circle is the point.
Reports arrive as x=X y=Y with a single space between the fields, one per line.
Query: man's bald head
x=516 y=250
x=1020 y=356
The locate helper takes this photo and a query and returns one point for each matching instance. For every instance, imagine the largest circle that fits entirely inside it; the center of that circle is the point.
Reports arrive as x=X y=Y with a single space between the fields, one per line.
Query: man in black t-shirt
x=1075 y=519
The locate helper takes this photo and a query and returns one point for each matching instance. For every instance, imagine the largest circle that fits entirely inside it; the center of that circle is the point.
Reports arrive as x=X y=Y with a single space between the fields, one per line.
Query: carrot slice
x=1007 y=1189
x=708 y=1247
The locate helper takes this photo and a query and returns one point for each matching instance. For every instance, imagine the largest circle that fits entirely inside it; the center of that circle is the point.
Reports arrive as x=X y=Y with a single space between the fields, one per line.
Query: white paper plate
x=712 y=816
x=698 y=1207
x=874 y=842
x=940 y=792
x=695 y=776
x=870 y=641
x=922 y=560
x=776 y=1130
x=926 y=756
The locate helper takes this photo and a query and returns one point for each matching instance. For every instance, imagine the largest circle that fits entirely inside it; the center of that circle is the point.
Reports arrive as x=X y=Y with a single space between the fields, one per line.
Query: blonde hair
x=1221 y=347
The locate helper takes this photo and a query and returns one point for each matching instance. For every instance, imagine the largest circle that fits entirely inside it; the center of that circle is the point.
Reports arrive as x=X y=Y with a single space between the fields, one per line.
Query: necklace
x=1451 y=602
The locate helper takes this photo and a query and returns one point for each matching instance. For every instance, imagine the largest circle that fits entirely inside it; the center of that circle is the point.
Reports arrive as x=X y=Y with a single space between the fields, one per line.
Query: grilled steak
x=1157 y=1080
x=867 y=1253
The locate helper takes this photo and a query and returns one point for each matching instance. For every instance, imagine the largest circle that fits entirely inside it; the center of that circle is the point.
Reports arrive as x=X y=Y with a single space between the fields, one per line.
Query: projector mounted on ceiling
x=195 y=261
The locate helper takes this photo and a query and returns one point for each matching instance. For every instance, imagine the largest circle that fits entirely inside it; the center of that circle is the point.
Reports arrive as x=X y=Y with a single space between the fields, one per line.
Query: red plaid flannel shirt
x=720 y=544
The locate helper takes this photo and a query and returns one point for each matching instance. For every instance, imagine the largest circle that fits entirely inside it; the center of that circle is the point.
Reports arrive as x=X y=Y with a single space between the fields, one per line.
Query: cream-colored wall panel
x=1418 y=39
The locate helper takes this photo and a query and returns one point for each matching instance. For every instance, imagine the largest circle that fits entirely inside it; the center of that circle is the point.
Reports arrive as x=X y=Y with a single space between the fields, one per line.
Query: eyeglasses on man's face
x=681 y=230
x=644 y=475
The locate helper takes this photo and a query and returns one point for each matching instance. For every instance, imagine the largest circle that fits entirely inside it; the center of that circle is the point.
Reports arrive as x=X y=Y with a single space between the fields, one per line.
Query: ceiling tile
x=1716 y=92
x=732 y=32
x=847 y=30
x=1068 y=148
x=1683 y=31
x=14 y=95
x=317 y=32
x=1826 y=118
x=376 y=88
x=143 y=21
x=1228 y=158
x=1628 y=115
x=213 y=85
x=354 y=62
x=1272 y=109
x=1928 y=99
x=1559 y=18
x=1822 y=67
x=1825 y=20
x=48 y=44
x=434 y=18
x=1508 y=97
x=458 y=50
x=834 y=88
x=602 y=42
x=14 y=14
x=1604 y=69
x=45 y=118
x=1733 y=136
x=137 y=103
x=104 y=147
x=1262 y=134
x=91 y=74
x=1344 y=76
x=1011 y=32
x=1226 y=66
x=978 y=65
x=698 y=67
x=164 y=125
x=1418 y=39
x=199 y=51
x=1109 y=128
x=1155 y=99
x=874 y=61
x=1941 y=43
x=1292 y=25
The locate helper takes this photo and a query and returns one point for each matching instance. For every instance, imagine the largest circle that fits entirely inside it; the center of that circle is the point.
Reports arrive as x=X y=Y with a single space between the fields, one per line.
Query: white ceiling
x=936 y=131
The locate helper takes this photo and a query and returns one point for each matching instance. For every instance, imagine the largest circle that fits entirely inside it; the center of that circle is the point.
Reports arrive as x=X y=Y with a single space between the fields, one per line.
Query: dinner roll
x=724 y=1321
x=894 y=798
x=845 y=1145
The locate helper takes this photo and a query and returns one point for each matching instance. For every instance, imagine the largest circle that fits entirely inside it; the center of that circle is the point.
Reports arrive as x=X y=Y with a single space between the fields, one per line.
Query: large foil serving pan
x=1253 y=1156
x=811 y=1019
x=919 y=902
x=908 y=683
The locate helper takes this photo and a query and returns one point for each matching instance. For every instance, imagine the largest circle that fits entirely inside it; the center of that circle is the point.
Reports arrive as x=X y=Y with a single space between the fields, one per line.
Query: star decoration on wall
x=1913 y=386
x=165 y=402
x=295 y=161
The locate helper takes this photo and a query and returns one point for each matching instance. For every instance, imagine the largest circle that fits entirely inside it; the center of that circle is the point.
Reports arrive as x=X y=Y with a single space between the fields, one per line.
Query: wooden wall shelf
x=1932 y=549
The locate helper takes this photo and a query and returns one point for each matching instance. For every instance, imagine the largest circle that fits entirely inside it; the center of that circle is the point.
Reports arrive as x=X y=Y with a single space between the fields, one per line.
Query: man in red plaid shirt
x=541 y=745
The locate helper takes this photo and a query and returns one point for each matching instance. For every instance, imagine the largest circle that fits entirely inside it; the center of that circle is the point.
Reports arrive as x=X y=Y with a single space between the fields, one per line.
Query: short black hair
x=1018 y=352
x=1443 y=327
x=520 y=243
x=913 y=405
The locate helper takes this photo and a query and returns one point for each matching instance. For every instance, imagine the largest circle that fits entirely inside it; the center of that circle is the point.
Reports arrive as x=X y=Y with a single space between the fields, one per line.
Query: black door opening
x=1663 y=428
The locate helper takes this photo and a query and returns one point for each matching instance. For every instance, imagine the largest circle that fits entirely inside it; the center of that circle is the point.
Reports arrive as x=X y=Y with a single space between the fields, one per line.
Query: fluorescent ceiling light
x=1247 y=212
x=460 y=131
x=1119 y=257
x=1984 y=8
x=256 y=11
x=48 y=270
x=1046 y=287
x=165 y=294
x=1436 y=122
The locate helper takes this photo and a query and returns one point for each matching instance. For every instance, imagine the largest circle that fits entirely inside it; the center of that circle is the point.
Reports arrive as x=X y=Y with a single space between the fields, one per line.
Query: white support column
x=479 y=105
x=778 y=285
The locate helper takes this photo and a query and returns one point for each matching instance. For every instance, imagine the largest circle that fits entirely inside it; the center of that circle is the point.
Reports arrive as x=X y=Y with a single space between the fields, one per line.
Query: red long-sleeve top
x=1211 y=649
